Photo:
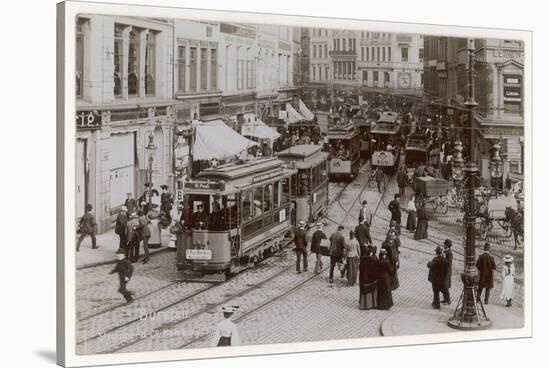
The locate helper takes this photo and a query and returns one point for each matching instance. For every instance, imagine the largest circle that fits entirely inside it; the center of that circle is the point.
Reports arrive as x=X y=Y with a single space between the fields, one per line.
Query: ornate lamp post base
x=469 y=313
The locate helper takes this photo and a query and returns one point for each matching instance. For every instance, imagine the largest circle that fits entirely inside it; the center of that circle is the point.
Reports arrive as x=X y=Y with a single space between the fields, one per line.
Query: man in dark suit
x=363 y=236
x=133 y=238
x=130 y=203
x=448 y=254
x=120 y=229
x=144 y=234
x=300 y=242
x=402 y=181
x=395 y=209
x=125 y=271
x=438 y=271
x=87 y=226
x=336 y=251
x=316 y=239
x=486 y=266
x=166 y=202
x=200 y=218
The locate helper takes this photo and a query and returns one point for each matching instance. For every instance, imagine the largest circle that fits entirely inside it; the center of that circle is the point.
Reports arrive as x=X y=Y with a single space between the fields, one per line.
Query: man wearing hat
x=300 y=242
x=87 y=226
x=316 y=239
x=166 y=202
x=336 y=251
x=120 y=229
x=448 y=254
x=200 y=218
x=438 y=271
x=363 y=236
x=133 y=238
x=486 y=266
x=365 y=214
x=227 y=333
x=395 y=209
x=130 y=203
x=125 y=270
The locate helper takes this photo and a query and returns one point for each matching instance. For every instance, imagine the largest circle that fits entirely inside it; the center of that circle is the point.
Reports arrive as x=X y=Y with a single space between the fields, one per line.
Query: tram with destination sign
x=364 y=123
x=344 y=146
x=309 y=190
x=385 y=141
x=234 y=214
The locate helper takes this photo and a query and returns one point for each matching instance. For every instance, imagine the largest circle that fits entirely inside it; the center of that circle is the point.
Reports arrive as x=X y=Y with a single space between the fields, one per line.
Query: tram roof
x=304 y=156
x=385 y=128
x=235 y=170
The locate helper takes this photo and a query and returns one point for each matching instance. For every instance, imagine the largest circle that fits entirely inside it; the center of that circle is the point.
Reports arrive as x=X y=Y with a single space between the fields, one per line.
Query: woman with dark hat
x=508 y=274
x=422 y=224
x=392 y=249
x=384 y=272
x=368 y=280
x=227 y=333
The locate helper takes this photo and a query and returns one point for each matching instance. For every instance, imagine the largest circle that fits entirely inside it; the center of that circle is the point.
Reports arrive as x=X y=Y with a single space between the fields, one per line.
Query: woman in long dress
x=508 y=274
x=154 y=227
x=384 y=272
x=422 y=223
x=368 y=280
x=411 y=217
x=352 y=258
x=391 y=247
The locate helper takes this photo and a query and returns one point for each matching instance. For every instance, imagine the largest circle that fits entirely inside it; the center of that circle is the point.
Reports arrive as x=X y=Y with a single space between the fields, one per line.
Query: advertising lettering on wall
x=88 y=120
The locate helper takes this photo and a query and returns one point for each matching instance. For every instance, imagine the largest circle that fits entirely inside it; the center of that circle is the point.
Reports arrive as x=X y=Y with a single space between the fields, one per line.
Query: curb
x=113 y=261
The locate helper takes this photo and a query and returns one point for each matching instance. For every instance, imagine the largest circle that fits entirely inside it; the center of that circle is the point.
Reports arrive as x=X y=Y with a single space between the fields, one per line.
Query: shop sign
x=88 y=120
x=237 y=30
x=284 y=46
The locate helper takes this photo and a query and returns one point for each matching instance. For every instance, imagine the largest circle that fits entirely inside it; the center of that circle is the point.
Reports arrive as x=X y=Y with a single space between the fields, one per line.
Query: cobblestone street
x=277 y=305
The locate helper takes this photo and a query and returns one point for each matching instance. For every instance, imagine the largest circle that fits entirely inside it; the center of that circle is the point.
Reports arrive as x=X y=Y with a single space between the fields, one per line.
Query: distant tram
x=385 y=136
x=309 y=191
x=364 y=124
x=344 y=151
x=416 y=151
x=236 y=214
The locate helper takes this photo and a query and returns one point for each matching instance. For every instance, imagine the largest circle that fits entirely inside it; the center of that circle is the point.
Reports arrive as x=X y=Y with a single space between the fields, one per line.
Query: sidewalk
x=416 y=321
x=108 y=245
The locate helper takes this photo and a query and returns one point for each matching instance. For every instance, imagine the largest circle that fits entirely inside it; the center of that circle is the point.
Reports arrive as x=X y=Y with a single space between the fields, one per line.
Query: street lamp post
x=470 y=313
x=151 y=152
x=496 y=168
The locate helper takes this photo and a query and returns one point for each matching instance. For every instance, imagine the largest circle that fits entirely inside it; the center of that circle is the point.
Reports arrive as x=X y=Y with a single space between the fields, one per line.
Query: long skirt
x=411 y=221
x=384 y=297
x=421 y=229
x=154 y=228
x=353 y=269
x=507 y=287
x=368 y=295
x=394 y=280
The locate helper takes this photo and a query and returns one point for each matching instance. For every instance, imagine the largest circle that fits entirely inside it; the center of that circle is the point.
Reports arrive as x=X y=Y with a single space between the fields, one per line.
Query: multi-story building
x=391 y=62
x=138 y=78
x=498 y=89
x=123 y=95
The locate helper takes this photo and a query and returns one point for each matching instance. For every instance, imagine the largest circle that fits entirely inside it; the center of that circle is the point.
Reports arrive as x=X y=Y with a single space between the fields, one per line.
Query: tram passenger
x=200 y=218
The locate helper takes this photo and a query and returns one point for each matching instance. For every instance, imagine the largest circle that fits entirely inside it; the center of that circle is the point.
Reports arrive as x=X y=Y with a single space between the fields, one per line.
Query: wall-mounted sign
x=284 y=46
x=88 y=120
x=237 y=30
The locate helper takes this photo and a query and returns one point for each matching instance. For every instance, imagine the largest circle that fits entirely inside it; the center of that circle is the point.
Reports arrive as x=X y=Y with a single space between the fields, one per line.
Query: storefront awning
x=293 y=116
x=306 y=113
x=254 y=127
x=215 y=139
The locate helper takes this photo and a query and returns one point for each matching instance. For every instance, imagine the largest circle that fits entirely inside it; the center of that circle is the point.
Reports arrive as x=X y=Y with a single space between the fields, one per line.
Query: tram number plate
x=179 y=195
x=199 y=254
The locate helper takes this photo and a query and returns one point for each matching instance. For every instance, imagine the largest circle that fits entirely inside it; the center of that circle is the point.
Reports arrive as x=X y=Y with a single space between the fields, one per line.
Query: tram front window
x=213 y=212
x=339 y=148
x=383 y=143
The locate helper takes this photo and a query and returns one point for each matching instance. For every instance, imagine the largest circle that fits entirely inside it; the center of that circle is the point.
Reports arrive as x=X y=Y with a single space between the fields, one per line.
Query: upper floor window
x=404 y=54
x=204 y=68
x=80 y=23
x=133 y=63
x=214 y=68
x=181 y=68
x=420 y=54
x=119 y=60
x=193 y=69
x=150 y=63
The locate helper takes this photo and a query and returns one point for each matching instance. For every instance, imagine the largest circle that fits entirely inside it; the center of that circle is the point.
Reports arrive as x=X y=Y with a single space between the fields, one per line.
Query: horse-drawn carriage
x=505 y=213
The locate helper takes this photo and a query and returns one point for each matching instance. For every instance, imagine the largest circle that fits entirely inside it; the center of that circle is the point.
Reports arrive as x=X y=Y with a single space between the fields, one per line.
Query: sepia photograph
x=243 y=184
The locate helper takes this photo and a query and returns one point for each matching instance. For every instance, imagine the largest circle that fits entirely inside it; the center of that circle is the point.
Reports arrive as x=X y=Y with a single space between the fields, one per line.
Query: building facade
x=138 y=78
x=124 y=94
x=498 y=89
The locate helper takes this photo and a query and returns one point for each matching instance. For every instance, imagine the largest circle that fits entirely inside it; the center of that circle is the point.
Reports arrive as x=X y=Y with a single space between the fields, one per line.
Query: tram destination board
x=204 y=185
x=199 y=254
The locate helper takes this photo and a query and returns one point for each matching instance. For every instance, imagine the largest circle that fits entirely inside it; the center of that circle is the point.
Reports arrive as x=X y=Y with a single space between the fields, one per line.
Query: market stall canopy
x=254 y=127
x=215 y=139
x=306 y=113
x=293 y=116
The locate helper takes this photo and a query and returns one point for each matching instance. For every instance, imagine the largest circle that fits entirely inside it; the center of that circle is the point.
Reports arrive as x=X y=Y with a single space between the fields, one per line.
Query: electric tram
x=309 y=191
x=385 y=136
x=344 y=146
x=416 y=151
x=364 y=123
x=235 y=214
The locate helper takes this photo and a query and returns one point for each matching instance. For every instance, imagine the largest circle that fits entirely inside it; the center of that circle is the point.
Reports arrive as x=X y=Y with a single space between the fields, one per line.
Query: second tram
x=385 y=139
x=234 y=214
x=309 y=191
x=344 y=151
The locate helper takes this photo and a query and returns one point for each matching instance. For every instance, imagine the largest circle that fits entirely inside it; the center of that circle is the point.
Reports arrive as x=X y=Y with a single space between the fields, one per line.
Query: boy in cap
x=300 y=242
x=227 y=333
x=125 y=271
